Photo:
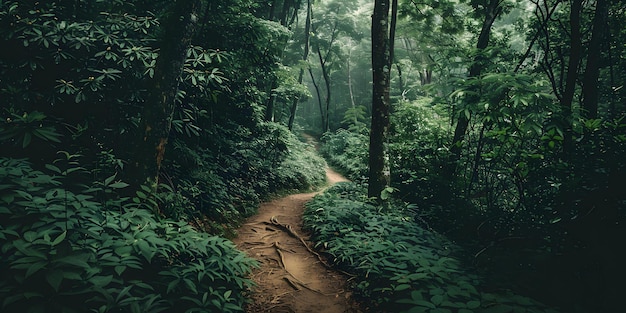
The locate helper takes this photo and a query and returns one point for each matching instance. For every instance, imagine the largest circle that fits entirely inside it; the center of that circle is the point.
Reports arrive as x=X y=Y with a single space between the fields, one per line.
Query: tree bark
x=326 y=76
x=156 y=119
x=381 y=60
x=352 y=103
x=491 y=14
x=572 y=76
x=319 y=96
x=305 y=57
x=592 y=70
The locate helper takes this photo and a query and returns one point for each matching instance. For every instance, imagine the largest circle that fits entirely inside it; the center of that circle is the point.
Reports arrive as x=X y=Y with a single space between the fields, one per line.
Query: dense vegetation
x=505 y=135
x=95 y=216
x=137 y=134
x=399 y=264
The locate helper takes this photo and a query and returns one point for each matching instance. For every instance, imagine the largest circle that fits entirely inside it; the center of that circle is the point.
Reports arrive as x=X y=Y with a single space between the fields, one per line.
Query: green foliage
x=110 y=49
x=355 y=117
x=251 y=165
x=69 y=252
x=399 y=265
x=418 y=132
x=347 y=151
x=21 y=129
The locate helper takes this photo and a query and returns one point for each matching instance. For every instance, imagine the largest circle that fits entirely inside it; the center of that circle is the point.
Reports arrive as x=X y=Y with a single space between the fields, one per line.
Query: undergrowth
x=347 y=152
x=92 y=251
x=399 y=265
x=222 y=182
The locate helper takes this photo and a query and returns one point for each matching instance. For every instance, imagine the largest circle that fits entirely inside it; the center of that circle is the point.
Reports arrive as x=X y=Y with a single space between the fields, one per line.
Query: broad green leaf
x=101 y=281
x=109 y=179
x=402 y=287
x=473 y=304
x=119 y=185
x=55 y=278
x=436 y=299
x=59 y=238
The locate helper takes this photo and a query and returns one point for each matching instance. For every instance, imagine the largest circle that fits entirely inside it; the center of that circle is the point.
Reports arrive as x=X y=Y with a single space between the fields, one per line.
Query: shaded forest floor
x=291 y=278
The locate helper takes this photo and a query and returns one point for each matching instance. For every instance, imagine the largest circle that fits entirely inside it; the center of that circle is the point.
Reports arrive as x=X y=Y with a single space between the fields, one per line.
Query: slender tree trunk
x=156 y=119
x=491 y=14
x=592 y=70
x=328 y=91
x=381 y=60
x=572 y=76
x=323 y=59
x=400 y=79
x=319 y=96
x=305 y=57
x=272 y=12
x=271 y=102
x=353 y=105
x=539 y=31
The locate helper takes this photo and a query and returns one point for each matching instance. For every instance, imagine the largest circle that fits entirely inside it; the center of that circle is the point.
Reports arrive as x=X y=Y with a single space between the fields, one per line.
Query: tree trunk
x=271 y=103
x=328 y=91
x=381 y=60
x=156 y=119
x=491 y=14
x=272 y=12
x=305 y=57
x=572 y=76
x=319 y=96
x=592 y=70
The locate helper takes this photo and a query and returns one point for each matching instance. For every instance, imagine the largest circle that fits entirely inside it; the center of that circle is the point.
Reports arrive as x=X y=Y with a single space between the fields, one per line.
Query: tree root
x=287 y=228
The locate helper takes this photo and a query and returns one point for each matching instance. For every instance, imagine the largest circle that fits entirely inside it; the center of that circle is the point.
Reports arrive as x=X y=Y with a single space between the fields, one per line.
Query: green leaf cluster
x=65 y=252
x=348 y=152
x=252 y=164
x=398 y=263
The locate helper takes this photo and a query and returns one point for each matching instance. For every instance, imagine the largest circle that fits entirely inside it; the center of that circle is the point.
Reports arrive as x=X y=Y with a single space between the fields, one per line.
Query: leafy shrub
x=348 y=152
x=302 y=169
x=223 y=181
x=64 y=252
x=417 y=134
x=399 y=266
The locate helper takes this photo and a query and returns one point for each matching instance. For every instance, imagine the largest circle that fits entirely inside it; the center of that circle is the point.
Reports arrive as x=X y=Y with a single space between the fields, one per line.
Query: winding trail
x=291 y=278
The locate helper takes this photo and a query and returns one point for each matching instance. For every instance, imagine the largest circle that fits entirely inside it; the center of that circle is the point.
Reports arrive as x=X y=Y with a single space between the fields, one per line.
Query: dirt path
x=290 y=279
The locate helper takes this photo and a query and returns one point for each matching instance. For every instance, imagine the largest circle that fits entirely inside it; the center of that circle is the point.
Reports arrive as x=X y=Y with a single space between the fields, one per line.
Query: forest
x=483 y=140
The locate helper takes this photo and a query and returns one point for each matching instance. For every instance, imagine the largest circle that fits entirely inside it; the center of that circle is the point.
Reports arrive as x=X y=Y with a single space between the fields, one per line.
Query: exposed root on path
x=293 y=277
x=294 y=234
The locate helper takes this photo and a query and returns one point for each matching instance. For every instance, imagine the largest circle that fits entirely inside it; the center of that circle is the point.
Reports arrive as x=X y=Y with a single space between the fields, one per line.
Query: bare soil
x=291 y=278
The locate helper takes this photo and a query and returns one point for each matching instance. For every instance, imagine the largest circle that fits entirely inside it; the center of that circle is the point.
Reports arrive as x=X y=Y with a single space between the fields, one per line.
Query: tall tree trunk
x=592 y=70
x=544 y=23
x=400 y=79
x=572 y=76
x=271 y=102
x=272 y=12
x=323 y=59
x=491 y=14
x=305 y=57
x=352 y=103
x=156 y=119
x=326 y=76
x=381 y=61
x=319 y=96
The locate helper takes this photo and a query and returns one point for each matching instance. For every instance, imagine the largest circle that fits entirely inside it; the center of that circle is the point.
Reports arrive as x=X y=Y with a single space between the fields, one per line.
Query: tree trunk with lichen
x=158 y=111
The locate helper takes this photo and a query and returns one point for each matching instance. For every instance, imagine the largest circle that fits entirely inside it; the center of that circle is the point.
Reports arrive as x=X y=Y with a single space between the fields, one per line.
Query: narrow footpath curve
x=291 y=279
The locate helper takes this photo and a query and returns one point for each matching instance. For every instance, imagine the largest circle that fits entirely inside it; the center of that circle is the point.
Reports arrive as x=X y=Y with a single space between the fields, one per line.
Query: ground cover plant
x=91 y=251
x=346 y=151
x=220 y=190
x=399 y=264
